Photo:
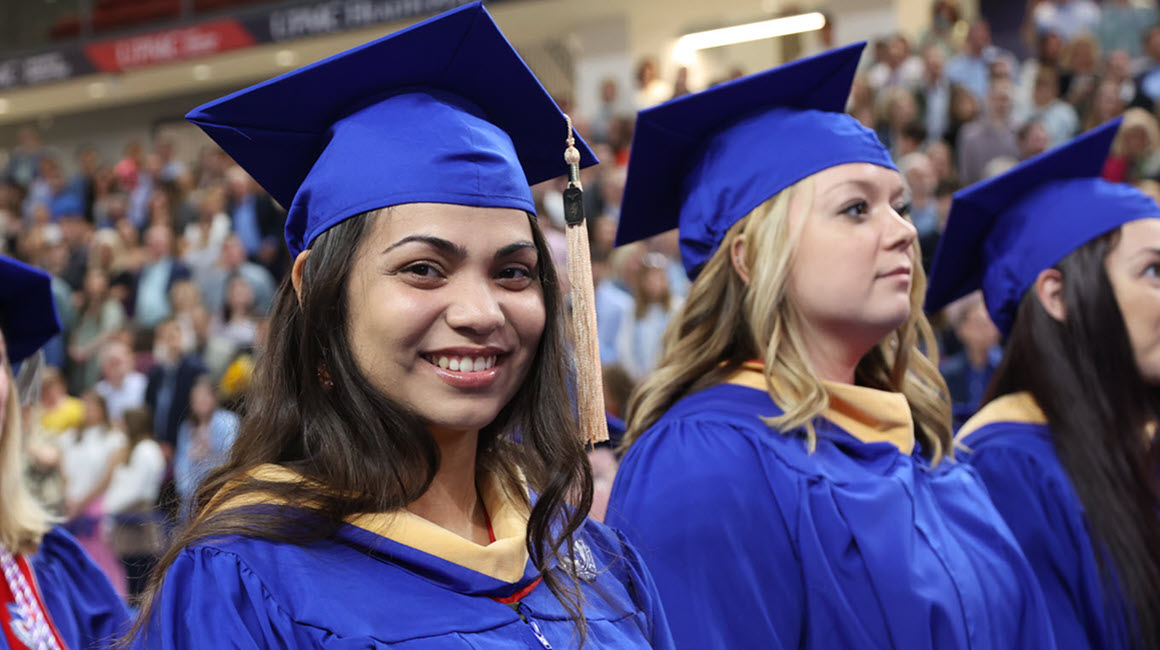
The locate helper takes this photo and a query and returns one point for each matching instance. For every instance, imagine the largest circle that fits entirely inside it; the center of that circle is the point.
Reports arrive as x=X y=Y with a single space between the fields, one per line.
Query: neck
x=452 y=500
x=834 y=358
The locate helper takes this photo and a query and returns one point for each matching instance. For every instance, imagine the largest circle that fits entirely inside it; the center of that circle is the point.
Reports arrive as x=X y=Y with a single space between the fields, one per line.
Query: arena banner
x=269 y=25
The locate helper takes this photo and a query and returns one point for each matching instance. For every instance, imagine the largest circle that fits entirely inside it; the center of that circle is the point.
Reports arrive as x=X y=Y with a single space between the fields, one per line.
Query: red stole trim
x=15 y=637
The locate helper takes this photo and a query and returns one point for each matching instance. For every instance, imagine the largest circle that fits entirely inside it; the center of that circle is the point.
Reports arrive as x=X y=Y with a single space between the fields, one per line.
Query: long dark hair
x=1083 y=375
x=359 y=452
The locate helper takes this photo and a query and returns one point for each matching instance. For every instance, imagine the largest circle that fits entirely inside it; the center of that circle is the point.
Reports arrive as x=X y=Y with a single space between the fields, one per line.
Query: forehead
x=468 y=226
x=864 y=175
x=1135 y=236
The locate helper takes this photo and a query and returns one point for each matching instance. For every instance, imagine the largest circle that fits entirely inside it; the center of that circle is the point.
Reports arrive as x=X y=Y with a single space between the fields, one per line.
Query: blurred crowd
x=164 y=268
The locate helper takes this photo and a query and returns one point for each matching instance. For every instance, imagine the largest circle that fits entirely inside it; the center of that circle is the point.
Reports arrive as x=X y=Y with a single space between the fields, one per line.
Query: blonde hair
x=724 y=323
x=1137 y=118
x=23 y=522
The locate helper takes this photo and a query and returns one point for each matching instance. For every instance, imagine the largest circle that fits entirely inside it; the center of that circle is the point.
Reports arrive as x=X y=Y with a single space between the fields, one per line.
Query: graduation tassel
x=589 y=382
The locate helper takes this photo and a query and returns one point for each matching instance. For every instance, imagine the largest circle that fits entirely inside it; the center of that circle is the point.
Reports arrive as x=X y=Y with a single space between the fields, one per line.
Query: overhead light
x=3 y=106
x=201 y=72
x=98 y=89
x=688 y=45
x=285 y=58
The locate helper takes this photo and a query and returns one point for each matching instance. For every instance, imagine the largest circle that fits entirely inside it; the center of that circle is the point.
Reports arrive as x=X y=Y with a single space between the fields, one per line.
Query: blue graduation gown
x=358 y=589
x=756 y=543
x=1010 y=445
x=83 y=606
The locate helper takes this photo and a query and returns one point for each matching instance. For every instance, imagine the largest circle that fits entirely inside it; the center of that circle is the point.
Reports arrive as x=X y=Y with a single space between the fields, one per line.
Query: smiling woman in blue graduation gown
x=409 y=473
x=1069 y=265
x=52 y=594
x=789 y=477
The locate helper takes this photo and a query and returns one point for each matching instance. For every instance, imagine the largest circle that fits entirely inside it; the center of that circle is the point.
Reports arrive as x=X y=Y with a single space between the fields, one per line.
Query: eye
x=422 y=269
x=1152 y=270
x=856 y=209
x=903 y=210
x=515 y=277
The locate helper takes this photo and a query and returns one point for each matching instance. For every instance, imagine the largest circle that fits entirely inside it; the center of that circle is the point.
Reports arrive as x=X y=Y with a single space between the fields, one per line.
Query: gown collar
x=505 y=560
x=868 y=414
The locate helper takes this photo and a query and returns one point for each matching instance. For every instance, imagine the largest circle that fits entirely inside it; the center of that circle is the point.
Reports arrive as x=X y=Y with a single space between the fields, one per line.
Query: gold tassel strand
x=589 y=382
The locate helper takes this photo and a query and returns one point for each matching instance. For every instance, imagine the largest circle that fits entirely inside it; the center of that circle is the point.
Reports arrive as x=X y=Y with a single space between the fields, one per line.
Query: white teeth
x=464 y=364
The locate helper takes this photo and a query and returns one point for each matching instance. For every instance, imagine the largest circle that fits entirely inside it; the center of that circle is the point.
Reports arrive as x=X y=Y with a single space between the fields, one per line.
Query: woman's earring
x=324 y=377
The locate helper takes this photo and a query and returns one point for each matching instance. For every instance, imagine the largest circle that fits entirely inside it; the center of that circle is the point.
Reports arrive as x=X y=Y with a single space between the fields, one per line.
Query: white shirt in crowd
x=129 y=395
x=137 y=482
x=85 y=456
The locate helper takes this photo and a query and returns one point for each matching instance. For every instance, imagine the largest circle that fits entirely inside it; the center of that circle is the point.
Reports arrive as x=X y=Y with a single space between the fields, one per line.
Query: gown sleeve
x=211 y=599
x=81 y=602
x=1045 y=516
x=644 y=593
x=699 y=500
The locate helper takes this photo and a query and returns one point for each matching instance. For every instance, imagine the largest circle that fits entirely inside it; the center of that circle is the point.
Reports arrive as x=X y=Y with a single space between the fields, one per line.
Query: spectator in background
x=935 y=91
x=1118 y=71
x=650 y=88
x=919 y=175
x=204 y=440
x=136 y=537
x=990 y=136
x=897 y=109
x=654 y=306
x=1135 y=152
x=88 y=455
x=257 y=220
x=121 y=386
x=133 y=173
x=59 y=411
x=1148 y=77
x=1079 y=74
x=964 y=110
x=186 y=298
x=234 y=328
x=1106 y=105
x=1123 y=24
x=83 y=184
x=601 y=123
x=614 y=307
x=214 y=281
x=1068 y=18
x=24 y=160
x=1048 y=54
x=169 y=168
x=970 y=68
x=939 y=153
x=99 y=316
x=170 y=382
x=969 y=372
x=1033 y=139
x=1058 y=117
x=897 y=68
x=204 y=237
x=944 y=17
x=157 y=276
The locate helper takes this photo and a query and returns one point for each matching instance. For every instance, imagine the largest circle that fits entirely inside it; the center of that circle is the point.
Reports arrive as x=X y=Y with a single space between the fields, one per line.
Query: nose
x=900 y=232
x=475 y=309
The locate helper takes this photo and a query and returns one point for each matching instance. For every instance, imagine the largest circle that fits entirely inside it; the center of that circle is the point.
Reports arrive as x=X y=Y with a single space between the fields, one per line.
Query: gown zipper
x=520 y=610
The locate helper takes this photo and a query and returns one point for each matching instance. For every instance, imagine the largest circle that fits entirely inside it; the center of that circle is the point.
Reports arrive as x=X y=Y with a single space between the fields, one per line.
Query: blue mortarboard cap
x=444 y=111
x=27 y=312
x=1002 y=232
x=704 y=161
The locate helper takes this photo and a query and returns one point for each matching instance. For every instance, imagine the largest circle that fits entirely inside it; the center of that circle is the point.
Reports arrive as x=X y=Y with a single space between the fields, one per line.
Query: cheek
x=528 y=316
x=1141 y=310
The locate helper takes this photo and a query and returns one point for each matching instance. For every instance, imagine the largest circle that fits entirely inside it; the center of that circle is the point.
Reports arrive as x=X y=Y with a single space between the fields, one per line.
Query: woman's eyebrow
x=444 y=246
x=513 y=248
